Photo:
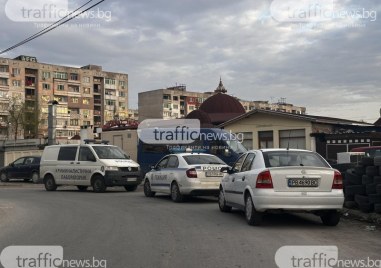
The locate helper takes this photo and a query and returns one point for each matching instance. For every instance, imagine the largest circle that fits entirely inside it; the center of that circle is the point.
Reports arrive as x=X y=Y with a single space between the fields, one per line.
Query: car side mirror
x=226 y=170
x=155 y=167
x=12 y=164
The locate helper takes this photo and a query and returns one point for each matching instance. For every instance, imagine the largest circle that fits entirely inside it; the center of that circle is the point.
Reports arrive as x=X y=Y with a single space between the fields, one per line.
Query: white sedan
x=183 y=174
x=282 y=180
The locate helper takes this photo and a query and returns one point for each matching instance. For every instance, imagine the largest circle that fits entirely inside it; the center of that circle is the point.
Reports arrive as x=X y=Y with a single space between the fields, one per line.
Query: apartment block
x=86 y=96
x=280 y=106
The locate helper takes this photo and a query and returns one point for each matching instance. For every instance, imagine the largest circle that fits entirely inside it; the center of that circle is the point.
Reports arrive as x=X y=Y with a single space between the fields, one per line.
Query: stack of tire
x=362 y=185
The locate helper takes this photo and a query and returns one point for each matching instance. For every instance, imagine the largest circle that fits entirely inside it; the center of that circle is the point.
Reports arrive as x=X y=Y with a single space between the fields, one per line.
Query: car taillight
x=191 y=173
x=264 y=180
x=337 y=180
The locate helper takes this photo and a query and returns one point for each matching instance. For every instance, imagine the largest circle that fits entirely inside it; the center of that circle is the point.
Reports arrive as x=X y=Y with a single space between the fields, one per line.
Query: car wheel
x=35 y=177
x=4 y=177
x=253 y=217
x=175 y=193
x=147 y=189
x=222 y=202
x=98 y=184
x=130 y=188
x=50 y=184
x=330 y=218
x=82 y=188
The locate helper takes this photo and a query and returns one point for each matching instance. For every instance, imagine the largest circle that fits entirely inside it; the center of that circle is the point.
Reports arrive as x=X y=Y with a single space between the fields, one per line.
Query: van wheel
x=330 y=218
x=253 y=217
x=35 y=177
x=147 y=189
x=130 y=188
x=82 y=188
x=98 y=184
x=50 y=184
x=176 y=196
x=4 y=177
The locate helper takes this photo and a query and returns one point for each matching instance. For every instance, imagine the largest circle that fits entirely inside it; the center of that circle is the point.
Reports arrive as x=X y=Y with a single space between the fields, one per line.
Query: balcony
x=111 y=97
x=4 y=75
x=97 y=112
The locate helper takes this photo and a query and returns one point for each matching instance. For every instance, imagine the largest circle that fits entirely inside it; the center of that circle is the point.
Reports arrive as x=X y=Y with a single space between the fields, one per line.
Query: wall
x=127 y=140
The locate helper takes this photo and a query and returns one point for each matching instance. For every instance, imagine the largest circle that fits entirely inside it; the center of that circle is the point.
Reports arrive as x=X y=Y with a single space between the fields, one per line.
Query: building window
x=175 y=106
x=175 y=98
x=86 y=90
x=60 y=75
x=166 y=97
x=74 y=77
x=86 y=101
x=293 y=138
x=122 y=94
x=3 y=82
x=265 y=139
x=45 y=75
x=122 y=84
x=15 y=71
x=74 y=100
x=74 y=89
x=110 y=102
x=247 y=141
x=61 y=87
x=191 y=107
x=74 y=122
x=60 y=99
x=109 y=81
x=3 y=69
x=86 y=79
x=16 y=83
x=46 y=86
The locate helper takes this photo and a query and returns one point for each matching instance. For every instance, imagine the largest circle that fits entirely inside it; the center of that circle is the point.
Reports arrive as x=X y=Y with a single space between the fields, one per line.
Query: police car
x=90 y=164
x=194 y=174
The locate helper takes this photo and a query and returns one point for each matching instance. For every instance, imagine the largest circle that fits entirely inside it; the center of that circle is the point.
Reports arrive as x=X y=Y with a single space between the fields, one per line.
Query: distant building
x=133 y=114
x=87 y=96
x=177 y=102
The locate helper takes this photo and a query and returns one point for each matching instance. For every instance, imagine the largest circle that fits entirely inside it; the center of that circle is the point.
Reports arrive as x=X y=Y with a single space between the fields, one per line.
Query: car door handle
x=71 y=163
x=233 y=179
x=243 y=178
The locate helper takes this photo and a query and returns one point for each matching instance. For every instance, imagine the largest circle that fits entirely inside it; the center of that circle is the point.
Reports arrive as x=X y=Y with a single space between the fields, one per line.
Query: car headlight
x=112 y=168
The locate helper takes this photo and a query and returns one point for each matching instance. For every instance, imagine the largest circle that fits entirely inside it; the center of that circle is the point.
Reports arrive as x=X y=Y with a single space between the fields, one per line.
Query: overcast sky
x=328 y=62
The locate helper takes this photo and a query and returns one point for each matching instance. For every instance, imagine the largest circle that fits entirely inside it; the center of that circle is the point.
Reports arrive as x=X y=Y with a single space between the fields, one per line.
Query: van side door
x=86 y=164
x=66 y=171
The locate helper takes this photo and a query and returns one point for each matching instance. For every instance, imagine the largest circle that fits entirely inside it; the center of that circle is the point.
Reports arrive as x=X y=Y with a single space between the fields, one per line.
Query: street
x=130 y=230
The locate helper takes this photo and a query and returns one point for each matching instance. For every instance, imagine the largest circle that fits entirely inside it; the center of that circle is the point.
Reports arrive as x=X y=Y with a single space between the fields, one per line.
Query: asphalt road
x=130 y=230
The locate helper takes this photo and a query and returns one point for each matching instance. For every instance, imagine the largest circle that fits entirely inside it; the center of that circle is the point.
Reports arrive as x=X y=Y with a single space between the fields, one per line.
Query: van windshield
x=236 y=146
x=109 y=152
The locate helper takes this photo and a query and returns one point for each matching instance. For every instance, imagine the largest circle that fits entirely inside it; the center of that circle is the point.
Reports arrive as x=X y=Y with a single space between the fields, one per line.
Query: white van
x=96 y=165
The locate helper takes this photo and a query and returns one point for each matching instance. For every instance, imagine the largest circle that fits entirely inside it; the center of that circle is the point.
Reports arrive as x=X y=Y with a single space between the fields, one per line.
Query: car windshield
x=203 y=159
x=236 y=146
x=293 y=158
x=109 y=152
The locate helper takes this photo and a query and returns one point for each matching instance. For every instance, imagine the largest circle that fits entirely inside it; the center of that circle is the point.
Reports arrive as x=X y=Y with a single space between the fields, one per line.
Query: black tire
x=98 y=184
x=130 y=188
x=361 y=199
x=377 y=161
x=330 y=218
x=147 y=189
x=377 y=180
x=371 y=188
x=4 y=177
x=366 y=179
x=222 y=202
x=374 y=198
x=350 y=204
x=378 y=189
x=353 y=178
x=367 y=161
x=359 y=170
x=371 y=171
x=176 y=195
x=354 y=189
x=50 y=183
x=252 y=216
x=35 y=177
x=366 y=207
x=377 y=208
x=82 y=188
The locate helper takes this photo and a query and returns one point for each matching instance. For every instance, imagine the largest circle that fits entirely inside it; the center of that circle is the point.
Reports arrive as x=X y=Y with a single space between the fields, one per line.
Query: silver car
x=185 y=174
x=282 y=180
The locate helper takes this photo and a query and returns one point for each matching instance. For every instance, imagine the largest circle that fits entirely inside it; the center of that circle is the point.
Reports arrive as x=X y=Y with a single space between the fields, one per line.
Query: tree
x=16 y=110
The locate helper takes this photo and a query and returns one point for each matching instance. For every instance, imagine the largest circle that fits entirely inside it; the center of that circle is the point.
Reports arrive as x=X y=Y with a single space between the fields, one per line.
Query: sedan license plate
x=213 y=173
x=303 y=183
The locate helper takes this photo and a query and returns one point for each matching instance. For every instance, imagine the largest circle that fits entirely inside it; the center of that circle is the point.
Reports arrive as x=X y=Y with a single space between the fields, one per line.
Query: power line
x=53 y=26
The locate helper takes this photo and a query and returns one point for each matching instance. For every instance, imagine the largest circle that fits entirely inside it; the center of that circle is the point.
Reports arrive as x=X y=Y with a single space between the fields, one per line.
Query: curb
x=373 y=218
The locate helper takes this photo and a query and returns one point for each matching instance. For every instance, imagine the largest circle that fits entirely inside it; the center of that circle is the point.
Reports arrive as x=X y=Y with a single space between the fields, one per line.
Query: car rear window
x=203 y=159
x=293 y=158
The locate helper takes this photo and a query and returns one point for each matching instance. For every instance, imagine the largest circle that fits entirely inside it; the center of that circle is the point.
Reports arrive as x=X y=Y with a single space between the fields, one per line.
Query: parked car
x=282 y=180
x=27 y=168
x=193 y=174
